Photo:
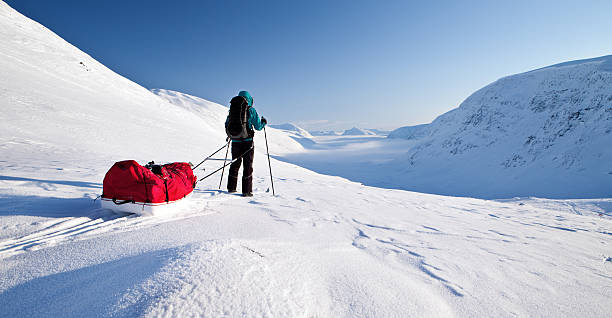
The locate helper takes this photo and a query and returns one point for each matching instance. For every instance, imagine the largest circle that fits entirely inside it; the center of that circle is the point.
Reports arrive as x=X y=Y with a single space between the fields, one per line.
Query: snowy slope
x=211 y=113
x=409 y=132
x=293 y=128
x=379 y=132
x=51 y=90
x=323 y=247
x=546 y=133
x=213 y=117
x=55 y=96
x=63 y=112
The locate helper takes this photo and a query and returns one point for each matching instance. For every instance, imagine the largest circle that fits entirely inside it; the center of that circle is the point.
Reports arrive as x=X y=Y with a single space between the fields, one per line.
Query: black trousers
x=238 y=148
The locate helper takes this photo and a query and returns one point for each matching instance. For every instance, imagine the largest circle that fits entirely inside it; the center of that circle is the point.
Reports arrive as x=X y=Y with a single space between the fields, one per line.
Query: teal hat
x=247 y=96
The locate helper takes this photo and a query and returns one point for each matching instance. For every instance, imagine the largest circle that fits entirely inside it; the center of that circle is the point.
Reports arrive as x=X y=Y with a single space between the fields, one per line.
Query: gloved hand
x=263 y=120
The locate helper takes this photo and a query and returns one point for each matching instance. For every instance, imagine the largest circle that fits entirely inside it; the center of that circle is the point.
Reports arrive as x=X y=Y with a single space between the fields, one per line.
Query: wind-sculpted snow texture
x=322 y=247
x=546 y=133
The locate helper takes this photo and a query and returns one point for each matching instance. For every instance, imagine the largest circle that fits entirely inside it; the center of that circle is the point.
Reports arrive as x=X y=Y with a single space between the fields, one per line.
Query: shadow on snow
x=80 y=184
x=50 y=206
x=91 y=290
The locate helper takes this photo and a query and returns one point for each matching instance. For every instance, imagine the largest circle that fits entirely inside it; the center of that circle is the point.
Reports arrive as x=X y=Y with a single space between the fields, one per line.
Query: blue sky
x=329 y=64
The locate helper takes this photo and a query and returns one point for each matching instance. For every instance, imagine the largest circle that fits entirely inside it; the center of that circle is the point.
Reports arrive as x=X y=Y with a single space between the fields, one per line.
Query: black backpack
x=237 y=125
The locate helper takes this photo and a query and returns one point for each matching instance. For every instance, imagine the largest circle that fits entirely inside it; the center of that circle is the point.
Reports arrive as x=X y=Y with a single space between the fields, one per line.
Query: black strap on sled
x=144 y=180
x=166 y=184
x=122 y=202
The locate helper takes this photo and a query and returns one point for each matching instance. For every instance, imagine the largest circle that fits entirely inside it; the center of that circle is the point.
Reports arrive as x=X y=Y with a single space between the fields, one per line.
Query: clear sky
x=329 y=64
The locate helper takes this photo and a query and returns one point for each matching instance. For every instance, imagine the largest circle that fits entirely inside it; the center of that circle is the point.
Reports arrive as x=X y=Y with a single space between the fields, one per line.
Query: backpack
x=238 y=125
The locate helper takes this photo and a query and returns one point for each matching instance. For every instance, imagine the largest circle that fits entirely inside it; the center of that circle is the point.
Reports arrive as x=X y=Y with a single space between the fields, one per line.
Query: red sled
x=151 y=190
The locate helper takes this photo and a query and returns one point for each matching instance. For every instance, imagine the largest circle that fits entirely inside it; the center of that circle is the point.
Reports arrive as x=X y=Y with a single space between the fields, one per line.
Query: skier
x=239 y=125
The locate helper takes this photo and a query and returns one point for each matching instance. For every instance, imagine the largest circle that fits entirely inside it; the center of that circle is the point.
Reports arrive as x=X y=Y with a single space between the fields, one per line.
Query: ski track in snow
x=99 y=221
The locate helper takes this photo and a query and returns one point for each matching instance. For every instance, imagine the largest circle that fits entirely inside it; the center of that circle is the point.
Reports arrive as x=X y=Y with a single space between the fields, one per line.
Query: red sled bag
x=132 y=188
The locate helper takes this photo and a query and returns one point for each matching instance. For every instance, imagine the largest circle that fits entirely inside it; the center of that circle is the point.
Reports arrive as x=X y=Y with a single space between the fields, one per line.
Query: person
x=244 y=147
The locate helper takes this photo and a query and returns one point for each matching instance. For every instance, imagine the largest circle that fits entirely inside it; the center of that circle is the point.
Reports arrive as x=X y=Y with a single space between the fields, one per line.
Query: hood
x=247 y=96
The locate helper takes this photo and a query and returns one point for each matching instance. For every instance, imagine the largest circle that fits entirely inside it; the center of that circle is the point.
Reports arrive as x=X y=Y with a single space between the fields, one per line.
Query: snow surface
x=379 y=132
x=322 y=247
x=409 y=132
x=293 y=129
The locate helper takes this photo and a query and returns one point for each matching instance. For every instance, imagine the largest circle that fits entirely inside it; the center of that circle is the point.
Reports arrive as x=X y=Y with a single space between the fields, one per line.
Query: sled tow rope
x=207 y=158
x=227 y=164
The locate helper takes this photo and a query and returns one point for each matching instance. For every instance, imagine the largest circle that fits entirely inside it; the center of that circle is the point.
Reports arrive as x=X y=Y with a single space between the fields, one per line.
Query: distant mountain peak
x=358 y=132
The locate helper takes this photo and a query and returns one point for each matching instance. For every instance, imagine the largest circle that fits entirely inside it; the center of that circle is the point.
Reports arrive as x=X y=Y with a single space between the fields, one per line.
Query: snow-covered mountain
x=321 y=247
x=294 y=129
x=357 y=132
x=379 y=132
x=208 y=111
x=51 y=90
x=409 y=132
x=325 y=133
x=546 y=133
x=350 y=132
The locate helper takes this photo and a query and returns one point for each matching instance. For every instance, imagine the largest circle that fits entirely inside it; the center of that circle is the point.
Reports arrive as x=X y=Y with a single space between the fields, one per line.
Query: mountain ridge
x=548 y=127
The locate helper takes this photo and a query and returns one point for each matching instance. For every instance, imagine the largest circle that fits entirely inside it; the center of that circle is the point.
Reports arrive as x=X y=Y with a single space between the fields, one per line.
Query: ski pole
x=227 y=164
x=269 y=164
x=225 y=160
x=224 y=145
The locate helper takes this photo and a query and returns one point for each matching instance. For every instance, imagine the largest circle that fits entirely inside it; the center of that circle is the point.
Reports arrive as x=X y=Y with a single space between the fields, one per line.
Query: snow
x=293 y=129
x=365 y=159
x=351 y=132
x=379 y=132
x=409 y=132
x=542 y=133
x=606 y=65
x=213 y=116
x=164 y=208
x=325 y=133
x=322 y=247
